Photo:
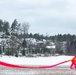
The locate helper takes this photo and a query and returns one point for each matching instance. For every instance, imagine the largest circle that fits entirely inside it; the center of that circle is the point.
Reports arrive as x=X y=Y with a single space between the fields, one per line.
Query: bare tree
x=25 y=27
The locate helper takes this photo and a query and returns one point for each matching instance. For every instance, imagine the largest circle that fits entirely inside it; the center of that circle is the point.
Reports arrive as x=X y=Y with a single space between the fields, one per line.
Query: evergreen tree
x=1 y=24
x=14 y=27
x=24 y=44
x=30 y=35
x=18 y=28
x=37 y=36
x=6 y=27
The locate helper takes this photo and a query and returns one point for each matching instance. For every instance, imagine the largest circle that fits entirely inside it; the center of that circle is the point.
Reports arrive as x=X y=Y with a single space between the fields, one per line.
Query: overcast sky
x=44 y=16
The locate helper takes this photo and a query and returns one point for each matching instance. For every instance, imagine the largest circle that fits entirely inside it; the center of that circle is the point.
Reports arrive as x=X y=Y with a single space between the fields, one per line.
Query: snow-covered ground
x=36 y=60
x=60 y=70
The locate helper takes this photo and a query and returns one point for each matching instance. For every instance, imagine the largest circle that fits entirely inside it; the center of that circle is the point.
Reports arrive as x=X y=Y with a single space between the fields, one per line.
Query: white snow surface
x=36 y=60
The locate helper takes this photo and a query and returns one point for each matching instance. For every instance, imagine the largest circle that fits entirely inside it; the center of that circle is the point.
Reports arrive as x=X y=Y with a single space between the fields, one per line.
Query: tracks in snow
x=60 y=70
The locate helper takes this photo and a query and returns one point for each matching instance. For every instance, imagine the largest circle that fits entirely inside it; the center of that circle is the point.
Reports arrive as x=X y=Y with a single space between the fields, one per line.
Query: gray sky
x=44 y=16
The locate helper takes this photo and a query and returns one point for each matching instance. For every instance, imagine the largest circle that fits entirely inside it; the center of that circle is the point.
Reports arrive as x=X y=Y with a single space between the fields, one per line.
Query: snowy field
x=36 y=60
x=59 y=70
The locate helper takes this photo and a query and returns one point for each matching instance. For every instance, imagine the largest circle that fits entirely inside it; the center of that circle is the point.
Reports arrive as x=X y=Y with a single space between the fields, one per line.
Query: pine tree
x=6 y=27
x=1 y=24
x=14 y=26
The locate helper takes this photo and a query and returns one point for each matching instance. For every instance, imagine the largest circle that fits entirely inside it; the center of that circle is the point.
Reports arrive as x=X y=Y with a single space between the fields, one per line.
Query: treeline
x=16 y=29
x=7 y=28
x=20 y=30
x=4 y=26
x=59 y=37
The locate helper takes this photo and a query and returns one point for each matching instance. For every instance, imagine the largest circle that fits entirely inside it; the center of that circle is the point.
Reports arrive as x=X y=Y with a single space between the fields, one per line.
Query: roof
x=51 y=47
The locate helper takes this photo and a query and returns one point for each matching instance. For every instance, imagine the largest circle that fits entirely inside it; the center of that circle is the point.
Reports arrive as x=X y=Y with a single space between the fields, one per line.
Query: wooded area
x=20 y=31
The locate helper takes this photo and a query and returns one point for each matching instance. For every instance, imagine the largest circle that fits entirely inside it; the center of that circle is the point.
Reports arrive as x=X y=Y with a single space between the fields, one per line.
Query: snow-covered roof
x=51 y=47
x=40 y=42
x=2 y=39
x=31 y=40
